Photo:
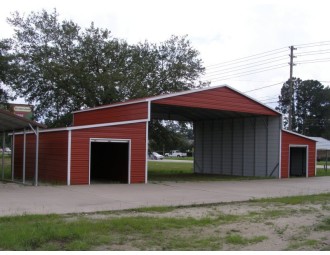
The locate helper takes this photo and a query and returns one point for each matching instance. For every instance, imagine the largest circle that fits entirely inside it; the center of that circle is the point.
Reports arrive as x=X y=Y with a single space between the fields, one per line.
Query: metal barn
x=234 y=135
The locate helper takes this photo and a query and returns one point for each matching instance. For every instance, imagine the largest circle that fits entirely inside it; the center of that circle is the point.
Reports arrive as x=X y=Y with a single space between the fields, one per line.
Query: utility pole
x=291 y=92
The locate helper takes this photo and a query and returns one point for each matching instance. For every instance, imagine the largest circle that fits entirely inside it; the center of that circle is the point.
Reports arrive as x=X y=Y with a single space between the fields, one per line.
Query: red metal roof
x=173 y=95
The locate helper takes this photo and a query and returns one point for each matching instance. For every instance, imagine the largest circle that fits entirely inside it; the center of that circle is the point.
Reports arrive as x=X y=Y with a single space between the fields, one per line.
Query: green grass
x=180 y=158
x=181 y=172
x=237 y=239
x=7 y=166
x=324 y=225
x=305 y=243
x=154 y=231
x=325 y=197
x=322 y=172
x=156 y=209
x=55 y=232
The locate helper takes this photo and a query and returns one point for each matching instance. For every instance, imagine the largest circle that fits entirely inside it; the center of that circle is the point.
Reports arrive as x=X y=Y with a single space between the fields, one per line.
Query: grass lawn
x=322 y=172
x=7 y=168
x=173 y=228
x=172 y=171
x=180 y=158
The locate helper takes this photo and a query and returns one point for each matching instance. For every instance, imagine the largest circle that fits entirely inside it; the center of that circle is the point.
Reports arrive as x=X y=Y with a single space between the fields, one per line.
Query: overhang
x=10 y=122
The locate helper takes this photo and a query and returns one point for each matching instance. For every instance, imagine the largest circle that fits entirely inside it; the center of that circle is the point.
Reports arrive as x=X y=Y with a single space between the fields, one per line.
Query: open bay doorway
x=298 y=161
x=109 y=161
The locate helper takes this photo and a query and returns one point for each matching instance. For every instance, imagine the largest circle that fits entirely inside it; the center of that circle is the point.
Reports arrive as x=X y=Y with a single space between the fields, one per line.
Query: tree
x=4 y=72
x=311 y=107
x=284 y=102
x=170 y=135
x=62 y=68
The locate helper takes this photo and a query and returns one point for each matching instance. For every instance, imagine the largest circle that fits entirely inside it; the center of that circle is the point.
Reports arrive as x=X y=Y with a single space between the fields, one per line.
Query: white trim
x=146 y=164
x=186 y=92
x=149 y=110
x=142 y=100
x=109 y=124
x=307 y=153
x=24 y=156
x=280 y=158
x=13 y=157
x=315 y=171
x=37 y=158
x=129 y=161
x=68 y=182
x=147 y=143
x=111 y=140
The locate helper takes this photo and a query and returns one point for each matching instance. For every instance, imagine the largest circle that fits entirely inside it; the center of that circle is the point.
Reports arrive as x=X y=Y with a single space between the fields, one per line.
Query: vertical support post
x=267 y=142
x=203 y=146
x=3 y=155
x=24 y=156
x=37 y=158
x=221 y=156
x=326 y=161
x=13 y=156
x=232 y=148
x=243 y=146
x=69 y=161
x=254 y=145
x=212 y=145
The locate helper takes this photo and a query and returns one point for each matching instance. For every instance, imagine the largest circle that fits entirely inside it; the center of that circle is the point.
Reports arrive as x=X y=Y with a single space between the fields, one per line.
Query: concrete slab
x=18 y=199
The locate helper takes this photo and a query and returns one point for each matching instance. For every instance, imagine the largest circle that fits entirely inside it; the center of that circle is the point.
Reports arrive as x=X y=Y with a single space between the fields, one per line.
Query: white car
x=155 y=155
x=7 y=150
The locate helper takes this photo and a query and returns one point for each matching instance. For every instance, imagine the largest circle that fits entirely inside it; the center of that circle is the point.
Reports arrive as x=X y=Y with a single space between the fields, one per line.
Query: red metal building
x=234 y=135
x=298 y=155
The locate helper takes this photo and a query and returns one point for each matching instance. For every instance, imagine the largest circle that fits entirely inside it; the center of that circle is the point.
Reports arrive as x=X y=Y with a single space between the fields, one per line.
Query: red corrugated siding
x=287 y=139
x=113 y=114
x=80 y=150
x=218 y=99
x=53 y=156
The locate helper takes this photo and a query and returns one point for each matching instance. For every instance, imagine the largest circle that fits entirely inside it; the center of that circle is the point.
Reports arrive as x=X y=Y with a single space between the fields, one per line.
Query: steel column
x=3 y=155
x=13 y=156
x=24 y=156
x=37 y=157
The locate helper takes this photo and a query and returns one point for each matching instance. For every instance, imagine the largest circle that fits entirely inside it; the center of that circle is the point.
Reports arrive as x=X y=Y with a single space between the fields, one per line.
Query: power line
x=315 y=44
x=313 y=52
x=313 y=61
x=237 y=68
x=248 y=72
x=263 y=87
x=255 y=56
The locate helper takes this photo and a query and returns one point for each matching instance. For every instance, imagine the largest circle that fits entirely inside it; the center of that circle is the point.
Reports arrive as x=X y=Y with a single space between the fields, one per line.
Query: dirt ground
x=277 y=226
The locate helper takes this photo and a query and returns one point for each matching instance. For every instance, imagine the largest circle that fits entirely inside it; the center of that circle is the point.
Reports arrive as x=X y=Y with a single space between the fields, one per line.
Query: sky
x=244 y=44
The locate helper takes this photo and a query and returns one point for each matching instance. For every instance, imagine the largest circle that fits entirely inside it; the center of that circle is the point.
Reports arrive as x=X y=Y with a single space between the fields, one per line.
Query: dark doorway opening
x=109 y=161
x=298 y=161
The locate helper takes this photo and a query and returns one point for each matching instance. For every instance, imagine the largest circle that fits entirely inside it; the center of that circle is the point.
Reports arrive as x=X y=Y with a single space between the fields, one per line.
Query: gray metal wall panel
x=248 y=146
x=227 y=147
x=238 y=146
x=207 y=147
x=274 y=130
x=217 y=147
x=261 y=152
x=198 y=156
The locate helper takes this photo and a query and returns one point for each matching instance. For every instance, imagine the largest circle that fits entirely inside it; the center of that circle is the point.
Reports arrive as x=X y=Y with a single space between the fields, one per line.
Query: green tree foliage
x=170 y=135
x=4 y=72
x=311 y=107
x=62 y=67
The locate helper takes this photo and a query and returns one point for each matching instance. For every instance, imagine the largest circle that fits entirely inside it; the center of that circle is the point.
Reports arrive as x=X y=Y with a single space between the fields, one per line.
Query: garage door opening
x=298 y=161
x=109 y=161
